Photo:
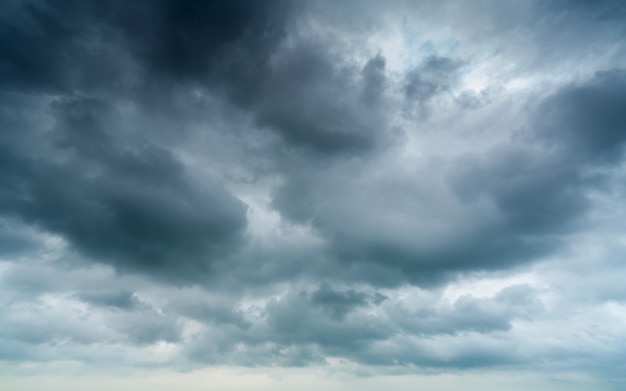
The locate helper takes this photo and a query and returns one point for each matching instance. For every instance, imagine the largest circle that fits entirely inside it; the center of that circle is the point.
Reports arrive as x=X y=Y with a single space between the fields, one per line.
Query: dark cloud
x=339 y=303
x=298 y=329
x=210 y=312
x=586 y=121
x=291 y=321
x=236 y=49
x=601 y=10
x=374 y=80
x=189 y=39
x=121 y=299
x=130 y=202
x=537 y=184
x=541 y=191
x=15 y=241
x=269 y=183
x=129 y=205
x=377 y=233
x=315 y=101
x=34 y=40
x=68 y=45
x=116 y=196
x=536 y=194
x=434 y=76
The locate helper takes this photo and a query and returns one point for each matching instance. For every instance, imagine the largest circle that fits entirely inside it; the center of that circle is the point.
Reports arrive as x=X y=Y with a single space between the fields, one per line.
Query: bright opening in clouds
x=341 y=195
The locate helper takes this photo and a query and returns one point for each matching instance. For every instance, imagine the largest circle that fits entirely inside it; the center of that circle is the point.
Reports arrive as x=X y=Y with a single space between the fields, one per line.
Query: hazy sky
x=294 y=195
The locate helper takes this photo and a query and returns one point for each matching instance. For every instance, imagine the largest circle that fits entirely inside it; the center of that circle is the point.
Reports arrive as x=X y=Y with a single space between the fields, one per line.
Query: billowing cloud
x=129 y=205
x=362 y=187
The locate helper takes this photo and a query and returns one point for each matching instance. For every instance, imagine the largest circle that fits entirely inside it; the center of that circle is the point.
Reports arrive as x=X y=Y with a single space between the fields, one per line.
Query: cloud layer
x=398 y=187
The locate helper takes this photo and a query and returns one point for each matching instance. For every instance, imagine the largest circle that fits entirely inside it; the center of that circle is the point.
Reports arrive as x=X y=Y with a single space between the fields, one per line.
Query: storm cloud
x=362 y=187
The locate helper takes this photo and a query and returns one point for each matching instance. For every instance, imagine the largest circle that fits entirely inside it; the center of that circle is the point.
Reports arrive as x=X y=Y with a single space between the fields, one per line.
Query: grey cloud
x=291 y=83
x=146 y=327
x=541 y=190
x=298 y=329
x=30 y=281
x=449 y=354
x=300 y=333
x=187 y=39
x=568 y=30
x=294 y=330
x=119 y=199
x=127 y=200
x=315 y=101
x=374 y=80
x=44 y=41
x=467 y=315
x=120 y=299
x=210 y=312
x=600 y=10
x=516 y=295
x=34 y=40
x=134 y=207
x=339 y=303
x=535 y=193
x=15 y=241
x=587 y=119
x=50 y=314
x=376 y=227
x=294 y=323
x=471 y=314
x=247 y=176
x=237 y=50
x=434 y=76
x=23 y=324
x=536 y=184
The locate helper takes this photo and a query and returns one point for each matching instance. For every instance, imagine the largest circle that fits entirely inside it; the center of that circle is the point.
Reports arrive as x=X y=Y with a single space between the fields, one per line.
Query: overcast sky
x=340 y=195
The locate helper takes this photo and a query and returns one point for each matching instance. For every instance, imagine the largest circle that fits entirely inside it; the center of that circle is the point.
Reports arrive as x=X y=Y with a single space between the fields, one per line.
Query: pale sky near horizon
x=269 y=195
x=63 y=376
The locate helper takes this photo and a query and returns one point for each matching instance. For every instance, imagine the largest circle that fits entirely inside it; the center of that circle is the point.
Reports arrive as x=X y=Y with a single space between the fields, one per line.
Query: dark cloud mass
x=295 y=101
x=339 y=303
x=587 y=119
x=61 y=45
x=131 y=206
x=116 y=299
x=394 y=186
x=537 y=188
x=435 y=76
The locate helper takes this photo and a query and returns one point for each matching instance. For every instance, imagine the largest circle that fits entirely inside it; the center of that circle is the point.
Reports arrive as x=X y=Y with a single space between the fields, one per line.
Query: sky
x=280 y=195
